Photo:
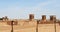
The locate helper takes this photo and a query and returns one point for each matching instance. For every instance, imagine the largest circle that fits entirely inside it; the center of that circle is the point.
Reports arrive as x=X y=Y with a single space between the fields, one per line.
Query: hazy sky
x=22 y=8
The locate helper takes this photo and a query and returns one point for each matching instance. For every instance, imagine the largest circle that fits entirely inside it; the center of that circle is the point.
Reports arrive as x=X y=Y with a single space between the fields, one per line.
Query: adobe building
x=31 y=17
x=30 y=25
x=43 y=20
x=52 y=18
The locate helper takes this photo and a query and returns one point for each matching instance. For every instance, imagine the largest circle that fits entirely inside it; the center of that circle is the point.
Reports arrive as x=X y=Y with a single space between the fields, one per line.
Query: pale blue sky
x=22 y=8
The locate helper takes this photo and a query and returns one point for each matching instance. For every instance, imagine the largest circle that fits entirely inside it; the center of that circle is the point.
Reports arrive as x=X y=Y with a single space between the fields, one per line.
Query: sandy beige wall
x=29 y=27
